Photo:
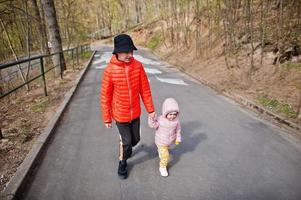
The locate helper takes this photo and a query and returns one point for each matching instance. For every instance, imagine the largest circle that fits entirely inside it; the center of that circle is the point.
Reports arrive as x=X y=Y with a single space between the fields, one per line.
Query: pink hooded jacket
x=167 y=132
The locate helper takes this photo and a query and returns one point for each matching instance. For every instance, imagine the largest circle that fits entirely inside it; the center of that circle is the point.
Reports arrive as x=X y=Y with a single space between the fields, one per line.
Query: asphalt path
x=226 y=153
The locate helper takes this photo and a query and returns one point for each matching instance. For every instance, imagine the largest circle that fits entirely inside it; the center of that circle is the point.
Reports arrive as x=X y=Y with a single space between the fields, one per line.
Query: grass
x=83 y=55
x=86 y=54
x=155 y=41
x=290 y=65
x=275 y=105
x=40 y=106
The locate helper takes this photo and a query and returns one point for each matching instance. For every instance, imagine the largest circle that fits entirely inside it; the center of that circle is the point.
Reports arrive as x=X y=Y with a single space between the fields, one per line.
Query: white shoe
x=163 y=171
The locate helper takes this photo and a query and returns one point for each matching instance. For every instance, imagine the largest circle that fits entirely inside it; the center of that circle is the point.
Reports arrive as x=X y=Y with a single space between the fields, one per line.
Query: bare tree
x=138 y=11
x=198 y=28
x=54 y=34
x=250 y=29
x=263 y=13
x=279 y=7
x=124 y=5
x=41 y=27
x=28 y=40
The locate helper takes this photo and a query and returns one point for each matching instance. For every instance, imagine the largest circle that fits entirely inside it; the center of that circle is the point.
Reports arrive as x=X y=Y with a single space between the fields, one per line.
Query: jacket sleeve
x=178 y=133
x=153 y=122
x=106 y=96
x=145 y=92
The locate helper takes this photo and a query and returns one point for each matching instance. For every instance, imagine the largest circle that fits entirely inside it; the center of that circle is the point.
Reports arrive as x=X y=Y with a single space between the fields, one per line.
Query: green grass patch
x=275 y=105
x=86 y=54
x=290 y=65
x=154 y=41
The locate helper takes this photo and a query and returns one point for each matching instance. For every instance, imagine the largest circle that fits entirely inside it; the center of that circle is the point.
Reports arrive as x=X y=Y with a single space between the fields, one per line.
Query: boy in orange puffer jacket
x=123 y=83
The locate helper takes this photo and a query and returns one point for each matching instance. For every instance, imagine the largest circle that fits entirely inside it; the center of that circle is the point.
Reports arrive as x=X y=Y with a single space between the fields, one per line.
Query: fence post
x=72 y=55
x=77 y=59
x=43 y=75
x=1 y=135
x=61 y=64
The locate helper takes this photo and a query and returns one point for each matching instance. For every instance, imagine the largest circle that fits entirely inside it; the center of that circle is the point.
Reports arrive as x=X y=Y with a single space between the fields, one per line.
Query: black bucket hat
x=123 y=43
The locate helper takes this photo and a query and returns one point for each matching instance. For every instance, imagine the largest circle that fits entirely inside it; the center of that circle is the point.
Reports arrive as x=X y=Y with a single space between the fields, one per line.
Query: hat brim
x=124 y=49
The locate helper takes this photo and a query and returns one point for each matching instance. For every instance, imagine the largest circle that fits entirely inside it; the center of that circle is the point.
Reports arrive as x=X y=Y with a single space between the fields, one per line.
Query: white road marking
x=146 y=61
x=100 y=67
x=172 y=81
x=152 y=71
x=97 y=62
x=106 y=56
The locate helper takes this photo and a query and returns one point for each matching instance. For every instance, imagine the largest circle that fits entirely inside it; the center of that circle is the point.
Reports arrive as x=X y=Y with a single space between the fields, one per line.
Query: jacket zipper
x=129 y=91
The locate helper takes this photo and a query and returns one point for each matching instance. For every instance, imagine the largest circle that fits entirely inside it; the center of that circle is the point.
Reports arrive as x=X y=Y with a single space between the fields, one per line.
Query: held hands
x=152 y=115
x=108 y=125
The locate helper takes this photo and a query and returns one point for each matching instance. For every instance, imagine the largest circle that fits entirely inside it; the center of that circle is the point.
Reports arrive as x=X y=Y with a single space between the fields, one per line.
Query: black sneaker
x=122 y=172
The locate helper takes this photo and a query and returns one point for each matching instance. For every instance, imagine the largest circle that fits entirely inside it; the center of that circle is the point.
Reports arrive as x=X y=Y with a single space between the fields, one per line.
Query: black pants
x=129 y=137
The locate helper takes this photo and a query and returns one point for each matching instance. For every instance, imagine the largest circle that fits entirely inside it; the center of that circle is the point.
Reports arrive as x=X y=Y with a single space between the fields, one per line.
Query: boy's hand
x=177 y=142
x=108 y=125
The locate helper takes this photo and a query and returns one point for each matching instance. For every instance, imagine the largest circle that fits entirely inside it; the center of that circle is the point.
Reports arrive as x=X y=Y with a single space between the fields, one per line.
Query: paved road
x=226 y=152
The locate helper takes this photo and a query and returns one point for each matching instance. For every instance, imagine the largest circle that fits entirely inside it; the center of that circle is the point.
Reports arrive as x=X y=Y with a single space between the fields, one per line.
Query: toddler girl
x=168 y=131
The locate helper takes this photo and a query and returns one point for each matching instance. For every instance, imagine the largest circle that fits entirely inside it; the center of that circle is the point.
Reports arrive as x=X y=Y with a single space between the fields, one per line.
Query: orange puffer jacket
x=122 y=83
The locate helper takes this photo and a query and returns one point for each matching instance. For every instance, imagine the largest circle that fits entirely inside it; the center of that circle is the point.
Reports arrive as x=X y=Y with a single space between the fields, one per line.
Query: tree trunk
x=262 y=30
x=209 y=26
x=41 y=27
x=250 y=29
x=28 y=42
x=102 y=15
x=138 y=11
x=198 y=29
x=226 y=43
x=109 y=18
x=279 y=33
x=124 y=5
x=54 y=34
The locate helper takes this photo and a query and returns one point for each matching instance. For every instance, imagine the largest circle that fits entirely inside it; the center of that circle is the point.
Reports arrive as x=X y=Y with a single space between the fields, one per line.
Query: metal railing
x=73 y=51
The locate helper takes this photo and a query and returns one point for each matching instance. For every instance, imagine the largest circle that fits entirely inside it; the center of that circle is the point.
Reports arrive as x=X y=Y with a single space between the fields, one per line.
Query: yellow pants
x=163 y=155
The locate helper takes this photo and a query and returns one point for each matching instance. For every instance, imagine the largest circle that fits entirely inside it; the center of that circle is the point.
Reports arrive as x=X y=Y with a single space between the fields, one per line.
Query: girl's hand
x=177 y=142
x=152 y=115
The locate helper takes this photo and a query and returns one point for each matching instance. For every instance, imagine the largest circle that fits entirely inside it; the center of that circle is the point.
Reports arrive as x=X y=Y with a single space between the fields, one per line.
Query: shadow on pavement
x=191 y=136
x=151 y=153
